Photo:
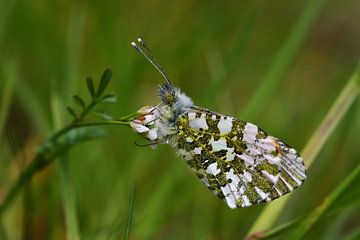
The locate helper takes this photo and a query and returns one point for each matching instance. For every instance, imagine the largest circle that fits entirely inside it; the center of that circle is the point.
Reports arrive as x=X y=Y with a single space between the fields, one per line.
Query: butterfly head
x=167 y=94
x=173 y=104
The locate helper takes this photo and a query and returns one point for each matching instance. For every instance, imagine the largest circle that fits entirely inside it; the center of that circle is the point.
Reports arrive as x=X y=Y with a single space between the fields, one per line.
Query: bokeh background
x=278 y=64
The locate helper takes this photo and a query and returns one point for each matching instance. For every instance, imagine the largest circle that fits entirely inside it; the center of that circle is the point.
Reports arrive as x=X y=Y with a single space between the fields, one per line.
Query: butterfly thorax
x=174 y=104
x=158 y=124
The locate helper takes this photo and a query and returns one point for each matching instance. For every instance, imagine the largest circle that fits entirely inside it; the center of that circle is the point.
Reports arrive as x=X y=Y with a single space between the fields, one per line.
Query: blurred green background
x=278 y=64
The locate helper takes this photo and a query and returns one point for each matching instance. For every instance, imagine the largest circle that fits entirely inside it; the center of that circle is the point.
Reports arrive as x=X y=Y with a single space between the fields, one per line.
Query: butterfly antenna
x=151 y=58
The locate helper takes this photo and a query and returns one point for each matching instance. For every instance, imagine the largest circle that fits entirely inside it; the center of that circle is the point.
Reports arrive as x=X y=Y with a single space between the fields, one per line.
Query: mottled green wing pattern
x=236 y=160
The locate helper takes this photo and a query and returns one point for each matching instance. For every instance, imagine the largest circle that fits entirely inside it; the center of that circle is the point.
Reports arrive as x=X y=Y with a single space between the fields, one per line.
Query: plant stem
x=87 y=109
x=44 y=157
x=24 y=177
x=60 y=133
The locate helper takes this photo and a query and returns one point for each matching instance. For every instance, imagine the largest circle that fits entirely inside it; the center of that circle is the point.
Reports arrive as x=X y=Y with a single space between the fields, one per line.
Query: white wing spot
x=212 y=169
x=250 y=132
x=272 y=178
x=197 y=150
x=246 y=202
x=230 y=155
x=234 y=178
x=198 y=123
x=274 y=160
x=267 y=144
x=261 y=193
x=225 y=125
x=247 y=159
x=253 y=150
x=191 y=115
x=218 y=145
x=229 y=196
x=247 y=176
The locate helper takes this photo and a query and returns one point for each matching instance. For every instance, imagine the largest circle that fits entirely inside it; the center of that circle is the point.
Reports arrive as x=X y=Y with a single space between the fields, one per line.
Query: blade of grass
x=75 y=30
x=277 y=231
x=5 y=11
x=10 y=79
x=347 y=96
x=131 y=211
x=298 y=227
x=69 y=199
x=73 y=47
x=300 y=231
x=67 y=191
x=283 y=59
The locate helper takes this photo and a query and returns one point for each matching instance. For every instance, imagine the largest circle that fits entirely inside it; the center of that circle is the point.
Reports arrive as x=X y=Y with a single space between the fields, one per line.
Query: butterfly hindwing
x=236 y=160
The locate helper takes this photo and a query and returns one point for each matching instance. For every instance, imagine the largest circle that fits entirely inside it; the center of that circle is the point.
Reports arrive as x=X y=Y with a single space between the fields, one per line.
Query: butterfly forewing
x=236 y=160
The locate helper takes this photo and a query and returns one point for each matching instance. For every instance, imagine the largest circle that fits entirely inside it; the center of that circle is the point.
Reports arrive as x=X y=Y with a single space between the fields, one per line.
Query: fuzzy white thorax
x=183 y=101
x=168 y=114
x=157 y=124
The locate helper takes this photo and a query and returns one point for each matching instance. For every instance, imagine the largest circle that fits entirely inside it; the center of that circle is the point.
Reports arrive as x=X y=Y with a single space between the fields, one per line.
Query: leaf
x=104 y=82
x=72 y=112
x=103 y=115
x=78 y=100
x=110 y=98
x=84 y=134
x=90 y=85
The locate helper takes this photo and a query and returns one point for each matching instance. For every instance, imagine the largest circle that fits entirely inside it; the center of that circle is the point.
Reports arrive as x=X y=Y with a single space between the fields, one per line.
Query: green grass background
x=278 y=64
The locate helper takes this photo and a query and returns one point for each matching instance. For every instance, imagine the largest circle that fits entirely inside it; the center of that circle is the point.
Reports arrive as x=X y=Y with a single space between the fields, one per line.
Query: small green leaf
x=110 y=98
x=90 y=85
x=72 y=112
x=103 y=115
x=104 y=82
x=84 y=134
x=78 y=100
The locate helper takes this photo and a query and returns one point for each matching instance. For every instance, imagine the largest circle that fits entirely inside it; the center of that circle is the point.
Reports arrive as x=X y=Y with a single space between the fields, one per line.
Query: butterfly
x=236 y=160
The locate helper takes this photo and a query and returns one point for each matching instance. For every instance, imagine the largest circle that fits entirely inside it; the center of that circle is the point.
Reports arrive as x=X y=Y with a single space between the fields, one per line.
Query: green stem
x=24 y=177
x=63 y=131
x=87 y=109
x=128 y=117
x=46 y=156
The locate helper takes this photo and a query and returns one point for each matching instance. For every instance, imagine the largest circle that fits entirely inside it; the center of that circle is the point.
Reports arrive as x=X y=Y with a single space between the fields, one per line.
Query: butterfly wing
x=236 y=160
